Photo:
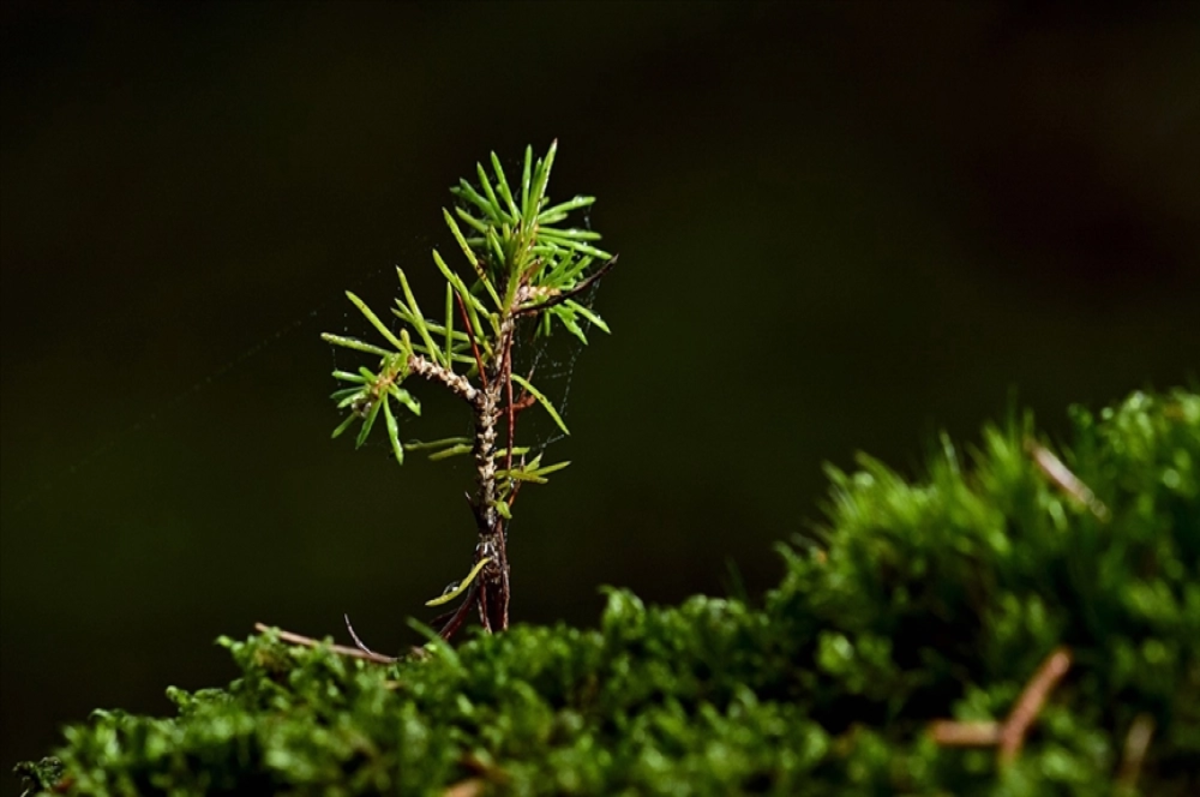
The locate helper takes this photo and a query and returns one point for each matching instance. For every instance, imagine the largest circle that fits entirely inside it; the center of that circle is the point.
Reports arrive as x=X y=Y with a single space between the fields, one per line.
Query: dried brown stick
x=1137 y=741
x=952 y=733
x=1030 y=703
x=465 y=788
x=358 y=643
x=1009 y=735
x=510 y=411
x=1058 y=473
x=460 y=614
x=570 y=293
x=309 y=642
x=462 y=309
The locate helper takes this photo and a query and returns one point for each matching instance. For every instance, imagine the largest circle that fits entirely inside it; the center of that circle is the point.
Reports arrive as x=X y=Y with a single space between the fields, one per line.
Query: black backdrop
x=842 y=227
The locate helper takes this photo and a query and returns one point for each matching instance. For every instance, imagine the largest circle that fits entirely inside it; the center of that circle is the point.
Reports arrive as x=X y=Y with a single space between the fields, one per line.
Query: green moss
x=921 y=601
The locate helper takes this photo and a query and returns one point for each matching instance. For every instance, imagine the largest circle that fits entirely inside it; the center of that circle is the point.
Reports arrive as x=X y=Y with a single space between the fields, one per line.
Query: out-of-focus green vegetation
x=916 y=602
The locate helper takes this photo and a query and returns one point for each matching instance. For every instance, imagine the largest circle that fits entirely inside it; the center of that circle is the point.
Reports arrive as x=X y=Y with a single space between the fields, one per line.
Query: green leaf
x=348 y=377
x=344 y=425
x=567 y=316
x=462 y=586
x=418 y=445
x=525 y=214
x=557 y=466
x=469 y=299
x=449 y=326
x=531 y=472
x=543 y=177
x=393 y=430
x=419 y=320
x=573 y=270
x=502 y=186
x=520 y=475
x=453 y=451
x=517 y=451
x=578 y=246
x=353 y=343
x=379 y=325
x=545 y=402
x=470 y=194
x=347 y=400
x=462 y=243
x=405 y=398
x=471 y=221
x=369 y=421
x=596 y=320
x=570 y=234
x=553 y=215
x=498 y=209
x=497 y=250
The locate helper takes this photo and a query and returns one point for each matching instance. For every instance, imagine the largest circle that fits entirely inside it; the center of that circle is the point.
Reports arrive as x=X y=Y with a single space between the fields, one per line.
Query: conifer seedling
x=526 y=270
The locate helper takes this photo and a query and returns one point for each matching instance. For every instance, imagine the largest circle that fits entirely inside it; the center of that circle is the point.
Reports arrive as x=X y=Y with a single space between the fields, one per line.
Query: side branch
x=457 y=383
x=309 y=642
x=1030 y=703
x=1009 y=735
x=568 y=294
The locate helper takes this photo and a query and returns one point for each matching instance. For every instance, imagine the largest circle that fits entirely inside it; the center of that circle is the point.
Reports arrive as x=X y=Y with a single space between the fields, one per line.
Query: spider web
x=548 y=362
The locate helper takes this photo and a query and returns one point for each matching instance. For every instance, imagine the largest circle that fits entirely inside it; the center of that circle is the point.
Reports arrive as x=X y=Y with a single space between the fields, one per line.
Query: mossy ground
x=921 y=601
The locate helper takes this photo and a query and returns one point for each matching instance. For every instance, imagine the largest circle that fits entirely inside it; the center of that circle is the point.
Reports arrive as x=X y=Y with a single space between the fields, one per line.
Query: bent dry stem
x=526 y=271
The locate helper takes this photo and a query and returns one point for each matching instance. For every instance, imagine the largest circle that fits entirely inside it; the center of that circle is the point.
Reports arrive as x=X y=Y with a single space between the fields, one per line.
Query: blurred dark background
x=842 y=227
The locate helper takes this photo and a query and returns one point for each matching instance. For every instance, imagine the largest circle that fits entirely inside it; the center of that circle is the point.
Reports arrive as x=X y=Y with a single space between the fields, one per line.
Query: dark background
x=842 y=227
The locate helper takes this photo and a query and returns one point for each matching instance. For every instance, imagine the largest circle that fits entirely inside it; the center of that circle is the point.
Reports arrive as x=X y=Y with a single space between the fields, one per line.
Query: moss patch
x=917 y=601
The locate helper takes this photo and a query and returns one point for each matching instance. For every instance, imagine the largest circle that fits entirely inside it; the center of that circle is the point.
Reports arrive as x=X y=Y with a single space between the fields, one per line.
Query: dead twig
x=951 y=733
x=568 y=294
x=1009 y=735
x=462 y=309
x=1137 y=741
x=465 y=788
x=309 y=642
x=1030 y=703
x=361 y=646
x=460 y=614
x=1058 y=473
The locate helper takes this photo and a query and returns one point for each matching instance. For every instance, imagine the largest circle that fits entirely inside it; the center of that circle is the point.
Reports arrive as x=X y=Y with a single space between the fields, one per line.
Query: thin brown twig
x=1058 y=473
x=1137 y=741
x=462 y=309
x=360 y=644
x=460 y=614
x=1009 y=735
x=458 y=384
x=1030 y=703
x=952 y=733
x=309 y=642
x=465 y=788
x=570 y=293
x=509 y=411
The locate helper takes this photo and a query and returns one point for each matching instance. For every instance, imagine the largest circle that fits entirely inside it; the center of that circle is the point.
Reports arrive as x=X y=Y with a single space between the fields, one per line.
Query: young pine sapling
x=526 y=273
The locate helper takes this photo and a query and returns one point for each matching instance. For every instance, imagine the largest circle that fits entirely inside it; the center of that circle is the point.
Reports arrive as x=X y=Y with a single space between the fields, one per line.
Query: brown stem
x=1030 y=703
x=568 y=294
x=457 y=383
x=460 y=614
x=1137 y=742
x=1053 y=469
x=965 y=734
x=462 y=309
x=509 y=410
x=309 y=642
x=1009 y=735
